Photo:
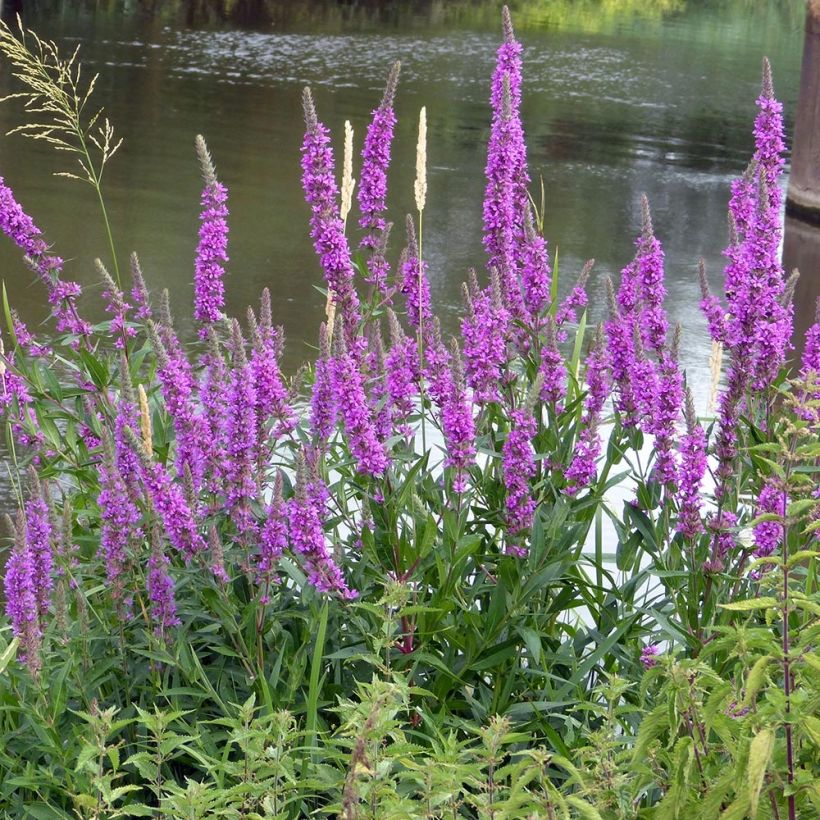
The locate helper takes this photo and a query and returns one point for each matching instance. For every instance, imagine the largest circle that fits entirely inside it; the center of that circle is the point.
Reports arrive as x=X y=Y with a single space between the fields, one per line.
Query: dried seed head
x=348 y=183
x=421 y=162
x=145 y=421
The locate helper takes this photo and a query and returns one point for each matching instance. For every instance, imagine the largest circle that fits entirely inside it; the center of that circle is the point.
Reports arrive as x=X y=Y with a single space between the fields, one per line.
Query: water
x=620 y=99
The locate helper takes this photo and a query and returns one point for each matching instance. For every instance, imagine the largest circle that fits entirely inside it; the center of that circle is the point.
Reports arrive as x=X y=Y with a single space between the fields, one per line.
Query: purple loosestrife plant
x=458 y=425
x=506 y=199
x=535 y=270
x=484 y=332
x=40 y=543
x=415 y=286
x=326 y=226
x=161 y=590
x=175 y=514
x=119 y=524
x=519 y=469
x=241 y=437
x=402 y=365
x=653 y=321
x=690 y=474
x=768 y=534
x=20 y=586
x=306 y=511
x=354 y=409
x=179 y=391
x=667 y=410
x=324 y=401
x=212 y=250
x=372 y=195
x=552 y=370
x=621 y=345
x=577 y=298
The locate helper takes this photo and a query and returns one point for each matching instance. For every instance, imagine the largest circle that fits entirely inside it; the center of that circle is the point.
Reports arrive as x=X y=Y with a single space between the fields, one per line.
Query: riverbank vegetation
x=508 y=574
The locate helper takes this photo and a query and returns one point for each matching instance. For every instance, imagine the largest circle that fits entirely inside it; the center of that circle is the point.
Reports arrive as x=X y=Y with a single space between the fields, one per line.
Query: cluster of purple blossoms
x=415 y=286
x=119 y=524
x=161 y=592
x=649 y=655
x=324 y=402
x=575 y=300
x=241 y=437
x=484 y=333
x=768 y=534
x=273 y=540
x=306 y=512
x=212 y=250
x=326 y=226
x=21 y=601
x=458 y=425
x=690 y=474
x=519 y=469
x=118 y=307
x=372 y=194
x=552 y=369
x=582 y=470
x=348 y=386
x=535 y=270
x=402 y=365
x=506 y=198
x=667 y=407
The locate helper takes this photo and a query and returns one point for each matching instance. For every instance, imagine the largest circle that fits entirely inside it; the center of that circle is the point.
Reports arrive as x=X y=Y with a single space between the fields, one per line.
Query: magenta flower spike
x=212 y=250
x=552 y=369
x=519 y=468
x=650 y=276
x=414 y=283
x=506 y=200
x=324 y=401
x=354 y=409
x=768 y=534
x=372 y=194
x=161 y=591
x=241 y=437
x=306 y=511
x=402 y=366
x=326 y=226
x=40 y=543
x=20 y=588
x=458 y=425
x=536 y=274
x=484 y=331
x=690 y=474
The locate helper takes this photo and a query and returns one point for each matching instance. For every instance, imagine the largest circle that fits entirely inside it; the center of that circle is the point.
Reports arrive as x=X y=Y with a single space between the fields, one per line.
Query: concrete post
x=803 y=196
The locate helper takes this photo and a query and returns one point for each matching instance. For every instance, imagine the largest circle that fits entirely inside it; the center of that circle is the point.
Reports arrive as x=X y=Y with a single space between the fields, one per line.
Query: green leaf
x=8 y=654
x=751 y=604
x=312 y=709
x=760 y=753
x=7 y=314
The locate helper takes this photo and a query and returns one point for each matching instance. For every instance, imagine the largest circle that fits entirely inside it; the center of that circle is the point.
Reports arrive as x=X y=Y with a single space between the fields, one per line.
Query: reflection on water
x=621 y=98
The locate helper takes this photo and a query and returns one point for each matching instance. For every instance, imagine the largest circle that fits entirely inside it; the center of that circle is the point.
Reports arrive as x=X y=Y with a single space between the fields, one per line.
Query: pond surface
x=620 y=98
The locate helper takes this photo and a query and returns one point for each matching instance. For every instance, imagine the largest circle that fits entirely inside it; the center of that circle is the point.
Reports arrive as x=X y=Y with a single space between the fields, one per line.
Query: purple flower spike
x=519 y=469
x=161 y=591
x=506 y=199
x=649 y=655
x=654 y=324
x=811 y=350
x=39 y=538
x=552 y=369
x=402 y=365
x=21 y=598
x=241 y=437
x=326 y=226
x=666 y=412
x=372 y=194
x=691 y=473
x=458 y=425
x=712 y=309
x=306 y=511
x=119 y=523
x=768 y=534
x=324 y=402
x=354 y=409
x=535 y=271
x=212 y=250
x=576 y=299
x=414 y=285
x=274 y=536
x=484 y=331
